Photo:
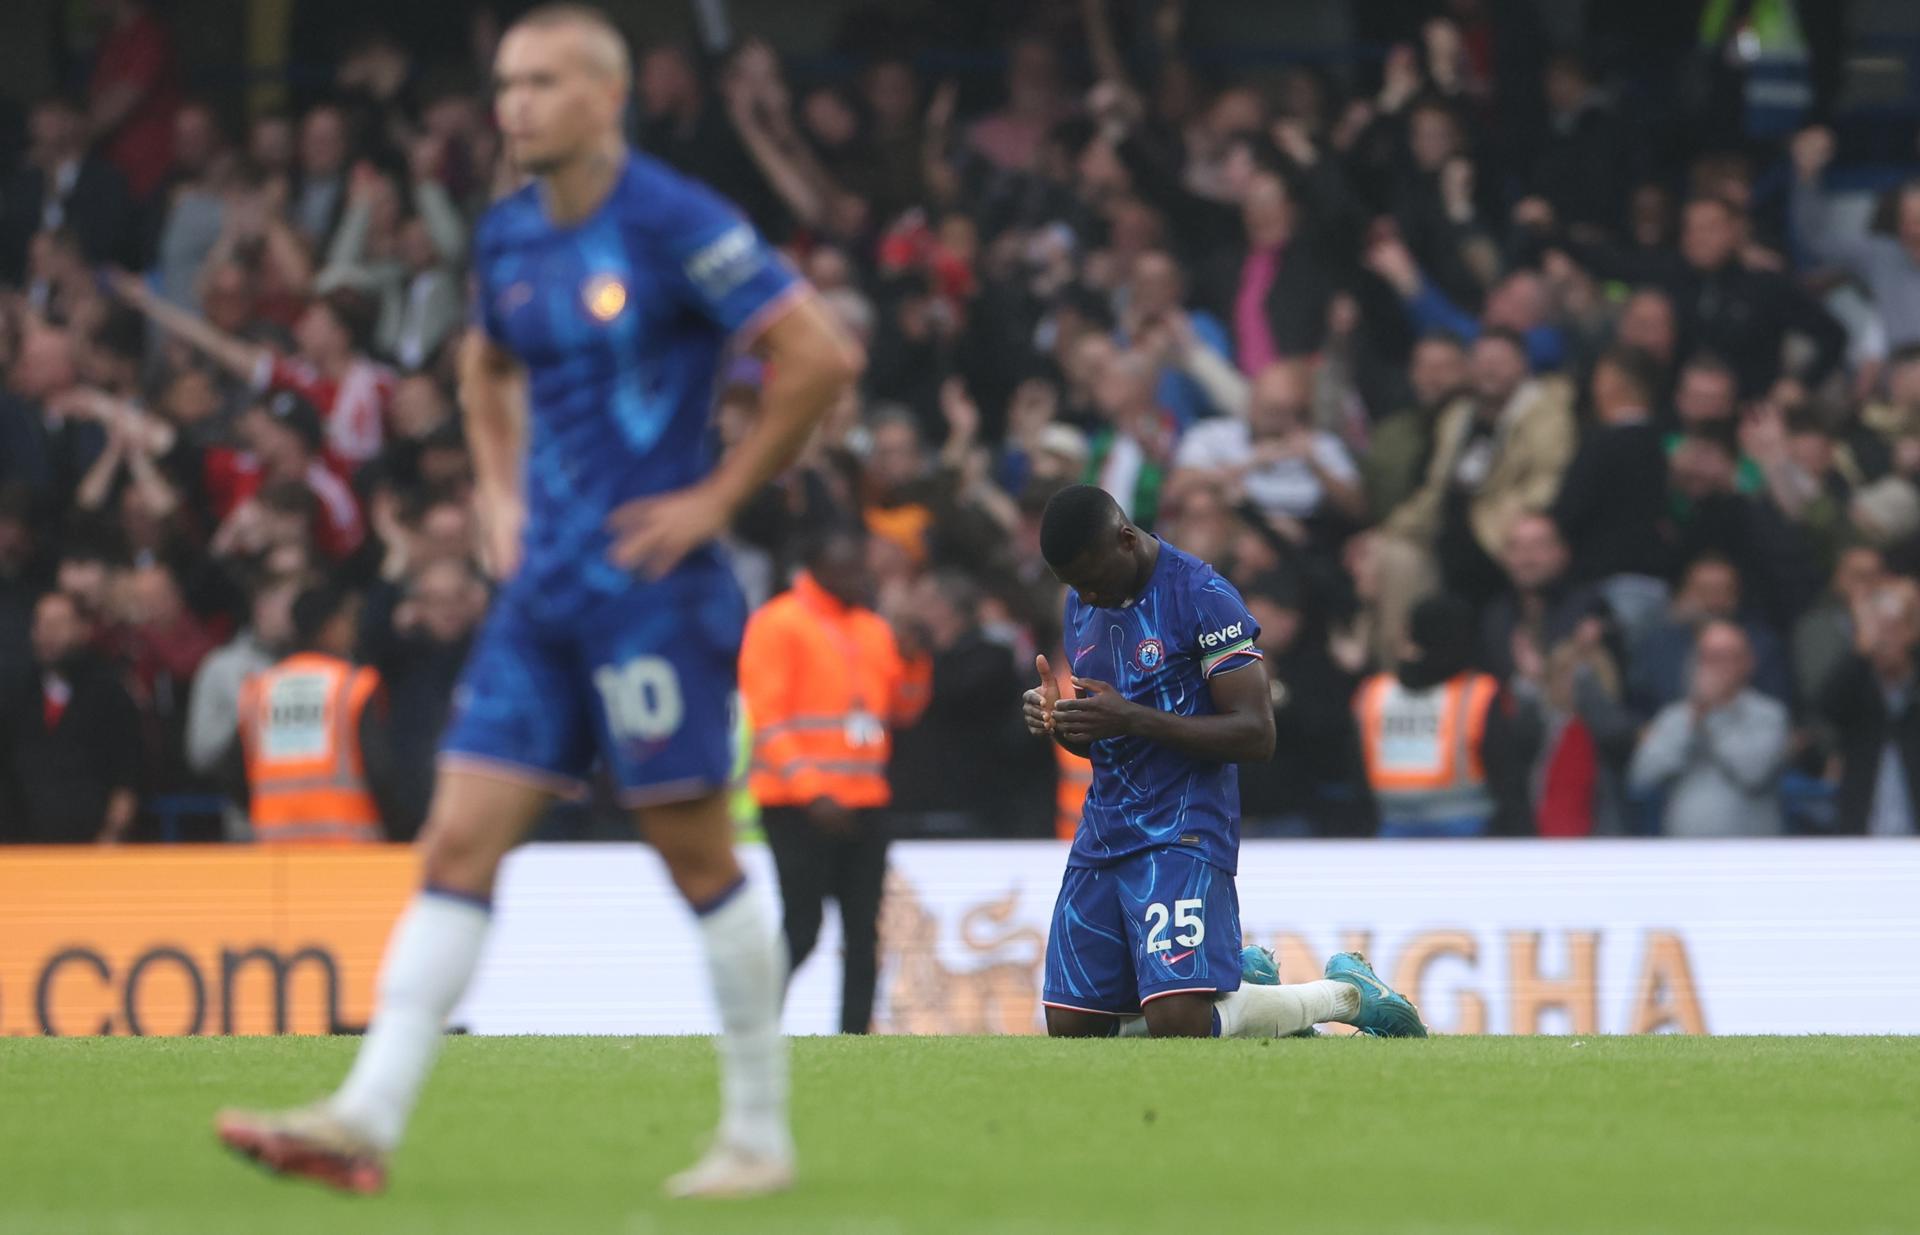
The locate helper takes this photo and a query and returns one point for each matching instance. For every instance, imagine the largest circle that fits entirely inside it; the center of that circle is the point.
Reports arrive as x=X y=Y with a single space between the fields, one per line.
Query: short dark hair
x=95 y=542
x=1073 y=519
x=1710 y=362
x=356 y=313
x=1641 y=370
x=1506 y=334
x=315 y=607
x=818 y=542
x=1734 y=210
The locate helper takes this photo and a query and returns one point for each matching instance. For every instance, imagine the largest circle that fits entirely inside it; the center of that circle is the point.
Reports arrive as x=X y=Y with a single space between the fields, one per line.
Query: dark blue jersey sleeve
x=1222 y=629
x=721 y=266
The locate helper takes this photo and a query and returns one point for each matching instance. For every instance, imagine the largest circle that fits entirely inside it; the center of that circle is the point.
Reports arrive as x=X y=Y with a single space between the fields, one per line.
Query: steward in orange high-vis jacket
x=312 y=735
x=825 y=680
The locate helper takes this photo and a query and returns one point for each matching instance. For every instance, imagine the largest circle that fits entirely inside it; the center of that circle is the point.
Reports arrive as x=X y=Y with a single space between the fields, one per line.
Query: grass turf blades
x=1449 y=1136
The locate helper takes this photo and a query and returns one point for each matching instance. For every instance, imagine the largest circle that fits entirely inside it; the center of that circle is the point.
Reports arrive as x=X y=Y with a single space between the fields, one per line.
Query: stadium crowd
x=1466 y=365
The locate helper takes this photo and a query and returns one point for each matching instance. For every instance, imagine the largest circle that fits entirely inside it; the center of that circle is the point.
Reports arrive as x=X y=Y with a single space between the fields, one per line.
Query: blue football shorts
x=1160 y=922
x=642 y=679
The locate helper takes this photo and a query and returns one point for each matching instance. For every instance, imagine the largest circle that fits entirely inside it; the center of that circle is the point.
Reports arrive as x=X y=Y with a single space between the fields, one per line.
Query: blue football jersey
x=620 y=321
x=1186 y=626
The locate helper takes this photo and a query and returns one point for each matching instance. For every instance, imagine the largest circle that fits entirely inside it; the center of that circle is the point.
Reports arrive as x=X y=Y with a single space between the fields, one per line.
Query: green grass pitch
x=1451 y=1136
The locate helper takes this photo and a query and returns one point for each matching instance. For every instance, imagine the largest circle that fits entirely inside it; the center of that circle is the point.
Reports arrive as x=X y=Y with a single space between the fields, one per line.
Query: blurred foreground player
x=610 y=287
x=1172 y=693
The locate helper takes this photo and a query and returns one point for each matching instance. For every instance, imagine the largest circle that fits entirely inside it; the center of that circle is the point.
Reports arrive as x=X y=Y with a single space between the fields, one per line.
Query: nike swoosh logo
x=1083 y=651
x=1175 y=960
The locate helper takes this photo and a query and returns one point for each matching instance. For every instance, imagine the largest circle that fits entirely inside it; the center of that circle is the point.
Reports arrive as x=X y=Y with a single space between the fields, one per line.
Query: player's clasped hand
x=1038 y=702
x=653 y=534
x=1102 y=712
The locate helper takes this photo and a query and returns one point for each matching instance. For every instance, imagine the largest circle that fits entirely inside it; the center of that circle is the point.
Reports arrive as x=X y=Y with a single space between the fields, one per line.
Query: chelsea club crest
x=1149 y=654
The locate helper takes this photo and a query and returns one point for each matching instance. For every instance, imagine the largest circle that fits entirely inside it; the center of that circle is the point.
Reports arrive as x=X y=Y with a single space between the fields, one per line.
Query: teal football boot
x=1259 y=968
x=1384 y=1013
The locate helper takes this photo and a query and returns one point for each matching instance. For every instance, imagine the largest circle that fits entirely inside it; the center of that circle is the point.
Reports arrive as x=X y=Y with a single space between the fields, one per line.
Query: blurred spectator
x=1437 y=736
x=71 y=738
x=1661 y=660
x=1280 y=286
x=1742 y=313
x=823 y=680
x=1518 y=303
x=213 y=709
x=1716 y=755
x=1495 y=457
x=968 y=755
x=680 y=123
x=283 y=439
x=191 y=204
x=133 y=93
x=317 y=191
x=1272 y=455
x=1869 y=700
x=1132 y=449
x=1888 y=265
x=1573 y=730
x=314 y=739
x=398 y=258
x=1582 y=165
x=1824 y=635
x=1708 y=395
x=1394 y=464
x=1613 y=497
x=1543 y=603
x=419 y=656
x=161 y=642
x=1648 y=323
x=59 y=186
x=330 y=368
x=1010 y=138
x=1316 y=782
x=47 y=453
x=1196 y=376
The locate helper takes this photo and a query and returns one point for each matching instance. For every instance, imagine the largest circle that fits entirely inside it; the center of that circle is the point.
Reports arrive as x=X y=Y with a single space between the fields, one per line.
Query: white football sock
x=1276 y=1011
x=430 y=959
x=747 y=963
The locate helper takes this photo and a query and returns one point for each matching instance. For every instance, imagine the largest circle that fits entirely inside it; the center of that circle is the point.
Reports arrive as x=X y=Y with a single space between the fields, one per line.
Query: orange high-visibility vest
x=1069 y=791
x=1074 y=774
x=1423 y=747
x=300 y=733
x=824 y=683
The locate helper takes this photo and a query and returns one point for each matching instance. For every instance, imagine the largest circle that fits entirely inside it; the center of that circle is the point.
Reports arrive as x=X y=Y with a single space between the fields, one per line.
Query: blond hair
x=606 y=45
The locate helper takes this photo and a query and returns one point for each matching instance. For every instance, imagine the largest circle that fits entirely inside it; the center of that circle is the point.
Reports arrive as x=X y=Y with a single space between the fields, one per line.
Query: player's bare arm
x=811 y=360
x=493 y=404
x=1239 y=731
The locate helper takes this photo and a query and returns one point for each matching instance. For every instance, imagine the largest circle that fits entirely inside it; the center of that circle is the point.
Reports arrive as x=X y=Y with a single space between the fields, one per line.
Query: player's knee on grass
x=1068 y=1023
x=1180 y=1016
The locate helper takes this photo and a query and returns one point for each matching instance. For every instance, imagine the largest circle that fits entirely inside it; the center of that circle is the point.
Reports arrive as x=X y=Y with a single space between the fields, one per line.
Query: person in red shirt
x=283 y=439
x=329 y=367
x=133 y=94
